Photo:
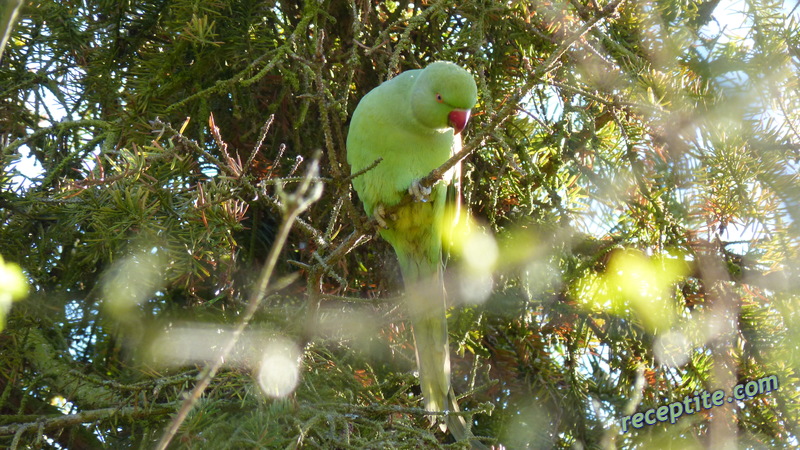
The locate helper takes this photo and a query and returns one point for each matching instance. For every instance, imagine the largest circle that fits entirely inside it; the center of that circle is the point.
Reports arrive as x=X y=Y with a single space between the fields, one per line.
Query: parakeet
x=413 y=122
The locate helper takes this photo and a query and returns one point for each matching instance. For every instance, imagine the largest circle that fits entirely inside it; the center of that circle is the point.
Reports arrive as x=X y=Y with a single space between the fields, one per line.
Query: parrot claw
x=379 y=213
x=420 y=192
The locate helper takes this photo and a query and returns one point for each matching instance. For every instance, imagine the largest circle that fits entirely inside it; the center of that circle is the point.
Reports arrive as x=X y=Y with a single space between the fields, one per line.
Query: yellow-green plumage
x=411 y=122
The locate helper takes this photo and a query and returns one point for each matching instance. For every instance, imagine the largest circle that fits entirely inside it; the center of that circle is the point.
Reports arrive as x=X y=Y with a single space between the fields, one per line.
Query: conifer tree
x=198 y=272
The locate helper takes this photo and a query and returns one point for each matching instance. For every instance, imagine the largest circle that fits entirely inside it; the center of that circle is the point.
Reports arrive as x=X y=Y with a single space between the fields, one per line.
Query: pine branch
x=47 y=423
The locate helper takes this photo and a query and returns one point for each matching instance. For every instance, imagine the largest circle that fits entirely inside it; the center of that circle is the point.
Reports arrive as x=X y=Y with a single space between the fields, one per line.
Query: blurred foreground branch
x=294 y=204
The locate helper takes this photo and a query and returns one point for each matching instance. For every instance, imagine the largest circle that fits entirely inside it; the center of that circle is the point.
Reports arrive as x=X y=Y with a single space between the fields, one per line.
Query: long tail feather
x=419 y=252
x=427 y=307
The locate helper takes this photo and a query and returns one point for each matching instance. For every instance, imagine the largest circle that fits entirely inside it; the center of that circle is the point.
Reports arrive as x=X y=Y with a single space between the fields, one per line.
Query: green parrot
x=413 y=122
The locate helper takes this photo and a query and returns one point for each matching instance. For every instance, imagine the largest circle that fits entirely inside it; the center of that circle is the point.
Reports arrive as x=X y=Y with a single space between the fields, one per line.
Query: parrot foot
x=420 y=192
x=379 y=213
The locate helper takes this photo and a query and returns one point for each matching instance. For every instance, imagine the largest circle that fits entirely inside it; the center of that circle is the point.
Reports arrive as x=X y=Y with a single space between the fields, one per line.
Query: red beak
x=458 y=119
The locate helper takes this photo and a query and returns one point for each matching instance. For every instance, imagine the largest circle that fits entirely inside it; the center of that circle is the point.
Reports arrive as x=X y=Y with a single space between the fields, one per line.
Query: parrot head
x=443 y=96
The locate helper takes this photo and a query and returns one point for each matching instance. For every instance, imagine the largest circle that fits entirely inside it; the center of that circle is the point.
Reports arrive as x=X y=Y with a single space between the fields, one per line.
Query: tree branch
x=56 y=422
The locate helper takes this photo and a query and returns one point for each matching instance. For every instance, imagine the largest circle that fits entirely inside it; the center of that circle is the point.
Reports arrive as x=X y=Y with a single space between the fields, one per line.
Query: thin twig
x=315 y=234
x=58 y=126
x=324 y=106
x=261 y=137
x=277 y=162
x=63 y=421
x=363 y=171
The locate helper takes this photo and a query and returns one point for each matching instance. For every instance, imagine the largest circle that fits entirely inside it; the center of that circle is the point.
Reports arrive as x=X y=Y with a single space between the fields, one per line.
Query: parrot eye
x=439 y=98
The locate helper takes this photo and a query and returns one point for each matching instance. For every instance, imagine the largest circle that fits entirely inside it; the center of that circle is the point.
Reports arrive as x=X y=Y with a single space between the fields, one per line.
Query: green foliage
x=13 y=288
x=635 y=164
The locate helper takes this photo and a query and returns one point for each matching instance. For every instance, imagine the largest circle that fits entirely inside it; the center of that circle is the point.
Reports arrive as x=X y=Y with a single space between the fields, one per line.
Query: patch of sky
x=81 y=339
x=599 y=219
x=729 y=21
x=55 y=102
